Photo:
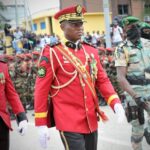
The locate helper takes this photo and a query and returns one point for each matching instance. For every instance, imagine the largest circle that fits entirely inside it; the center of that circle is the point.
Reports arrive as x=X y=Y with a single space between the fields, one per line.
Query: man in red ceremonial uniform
x=9 y=95
x=69 y=72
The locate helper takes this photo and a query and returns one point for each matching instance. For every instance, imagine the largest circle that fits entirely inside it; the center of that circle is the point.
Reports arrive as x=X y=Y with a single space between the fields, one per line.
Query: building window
x=43 y=25
x=35 y=26
x=147 y=8
x=122 y=9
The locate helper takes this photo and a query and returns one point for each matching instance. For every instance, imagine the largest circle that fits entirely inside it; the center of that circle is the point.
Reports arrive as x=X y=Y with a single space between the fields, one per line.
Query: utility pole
x=85 y=4
x=16 y=12
x=60 y=4
x=30 y=17
x=107 y=22
x=25 y=15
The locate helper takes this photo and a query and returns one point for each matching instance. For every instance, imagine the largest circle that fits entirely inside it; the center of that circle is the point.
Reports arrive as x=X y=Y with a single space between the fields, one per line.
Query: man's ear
x=62 y=26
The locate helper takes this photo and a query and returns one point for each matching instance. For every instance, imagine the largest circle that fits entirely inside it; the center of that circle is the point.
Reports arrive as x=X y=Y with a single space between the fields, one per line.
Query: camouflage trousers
x=137 y=133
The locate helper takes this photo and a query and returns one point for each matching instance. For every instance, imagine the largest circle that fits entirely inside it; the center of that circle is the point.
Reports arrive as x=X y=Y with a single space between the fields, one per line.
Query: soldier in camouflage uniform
x=28 y=63
x=145 y=30
x=32 y=77
x=104 y=62
x=112 y=73
x=11 y=66
x=133 y=71
x=20 y=78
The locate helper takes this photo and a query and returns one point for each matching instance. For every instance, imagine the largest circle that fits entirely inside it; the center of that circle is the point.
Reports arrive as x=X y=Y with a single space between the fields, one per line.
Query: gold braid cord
x=85 y=75
x=74 y=73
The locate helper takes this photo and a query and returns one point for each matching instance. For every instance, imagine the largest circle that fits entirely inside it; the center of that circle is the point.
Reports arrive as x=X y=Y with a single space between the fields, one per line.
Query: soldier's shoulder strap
x=122 y=47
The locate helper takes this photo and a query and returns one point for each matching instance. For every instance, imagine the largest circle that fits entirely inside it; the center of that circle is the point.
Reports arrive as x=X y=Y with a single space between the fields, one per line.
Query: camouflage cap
x=129 y=20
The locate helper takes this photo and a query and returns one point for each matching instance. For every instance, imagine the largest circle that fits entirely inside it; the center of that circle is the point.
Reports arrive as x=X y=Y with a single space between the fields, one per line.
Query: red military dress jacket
x=73 y=108
x=8 y=95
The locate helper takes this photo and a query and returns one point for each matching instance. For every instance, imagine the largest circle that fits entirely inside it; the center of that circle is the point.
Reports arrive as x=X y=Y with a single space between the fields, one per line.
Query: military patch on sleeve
x=2 y=78
x=43 y=58
x=118 y=52
x=41 y=72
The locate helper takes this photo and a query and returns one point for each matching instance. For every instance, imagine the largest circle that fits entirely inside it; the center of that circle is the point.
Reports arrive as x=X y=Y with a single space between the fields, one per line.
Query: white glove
x=118 y=108
x=43 y=136
x=22 y=127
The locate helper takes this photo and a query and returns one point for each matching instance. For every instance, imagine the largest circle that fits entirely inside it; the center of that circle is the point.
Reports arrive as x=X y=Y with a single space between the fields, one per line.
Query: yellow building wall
x=56 y=28
x=38 y=22
x=94 y=22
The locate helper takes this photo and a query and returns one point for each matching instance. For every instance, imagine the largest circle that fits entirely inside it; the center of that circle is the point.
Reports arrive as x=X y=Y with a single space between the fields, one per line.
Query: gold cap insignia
x=78 y=9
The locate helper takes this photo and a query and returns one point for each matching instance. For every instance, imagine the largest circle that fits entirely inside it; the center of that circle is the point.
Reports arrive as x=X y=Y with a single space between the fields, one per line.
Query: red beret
x=101 y=48
x=28 y=55
x=10 y=57
x=71 y=14
x=22 y=56
x=109 y=49
x=36 y=53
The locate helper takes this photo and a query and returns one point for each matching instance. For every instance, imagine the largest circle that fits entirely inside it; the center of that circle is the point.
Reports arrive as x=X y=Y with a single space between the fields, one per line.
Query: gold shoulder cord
x=74 y=73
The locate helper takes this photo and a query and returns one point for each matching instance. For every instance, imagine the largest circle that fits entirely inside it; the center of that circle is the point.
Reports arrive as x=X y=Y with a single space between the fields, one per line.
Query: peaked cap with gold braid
x=71 y=14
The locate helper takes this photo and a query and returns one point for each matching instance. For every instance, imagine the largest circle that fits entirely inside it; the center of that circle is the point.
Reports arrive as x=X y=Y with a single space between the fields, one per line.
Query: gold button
x=85 y=97
x=87 y=109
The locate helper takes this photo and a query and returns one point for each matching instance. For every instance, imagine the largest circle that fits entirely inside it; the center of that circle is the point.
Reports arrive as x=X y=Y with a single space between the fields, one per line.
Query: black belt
x=139 y=82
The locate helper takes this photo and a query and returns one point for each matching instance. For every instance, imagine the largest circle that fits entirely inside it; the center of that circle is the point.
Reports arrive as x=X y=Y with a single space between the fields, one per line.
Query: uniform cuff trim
x=41 y=115
x=111 y=98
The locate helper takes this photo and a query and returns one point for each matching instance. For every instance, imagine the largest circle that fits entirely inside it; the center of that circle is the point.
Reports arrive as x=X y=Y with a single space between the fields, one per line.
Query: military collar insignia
x=73 y=45
x=41 y=72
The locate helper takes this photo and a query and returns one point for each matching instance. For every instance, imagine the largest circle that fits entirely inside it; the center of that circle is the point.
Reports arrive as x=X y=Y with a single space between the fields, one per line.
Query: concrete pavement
x=112 y=136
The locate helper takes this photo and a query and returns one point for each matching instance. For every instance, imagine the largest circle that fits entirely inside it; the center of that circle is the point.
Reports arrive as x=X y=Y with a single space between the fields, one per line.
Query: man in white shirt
x=117 y=34
x=17 y=43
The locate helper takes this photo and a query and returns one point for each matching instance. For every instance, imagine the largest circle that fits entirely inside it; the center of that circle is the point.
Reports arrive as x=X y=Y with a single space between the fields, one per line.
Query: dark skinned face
x=72 y=31
x=133 y=33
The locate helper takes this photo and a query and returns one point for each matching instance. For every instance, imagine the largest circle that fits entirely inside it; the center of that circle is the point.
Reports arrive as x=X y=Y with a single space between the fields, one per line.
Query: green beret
x=129 y=20
x=145 y=30
x=144 y=25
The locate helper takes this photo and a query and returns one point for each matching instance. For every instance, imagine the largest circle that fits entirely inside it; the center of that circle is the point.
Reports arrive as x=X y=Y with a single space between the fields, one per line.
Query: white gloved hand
x=22 y=127
x=118 y=108
x=43 y=136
